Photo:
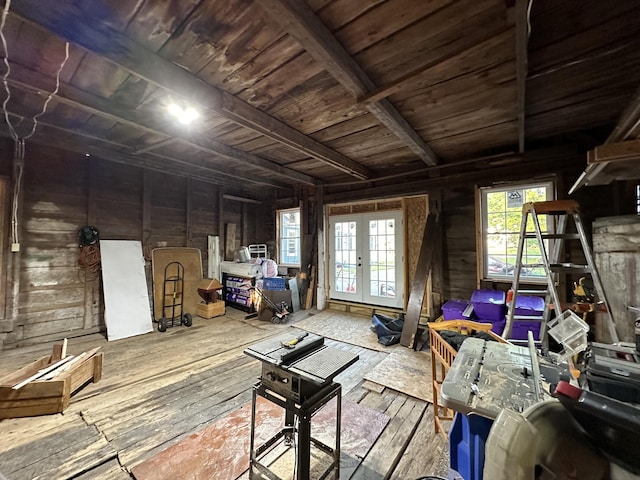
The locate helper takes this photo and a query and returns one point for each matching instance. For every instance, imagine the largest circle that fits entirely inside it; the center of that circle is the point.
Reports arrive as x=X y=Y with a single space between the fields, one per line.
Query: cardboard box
x=210 y=310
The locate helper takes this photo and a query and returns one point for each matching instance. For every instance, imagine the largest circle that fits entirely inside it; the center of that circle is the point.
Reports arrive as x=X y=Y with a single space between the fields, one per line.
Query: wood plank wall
x=65 y=191
x=459 y=246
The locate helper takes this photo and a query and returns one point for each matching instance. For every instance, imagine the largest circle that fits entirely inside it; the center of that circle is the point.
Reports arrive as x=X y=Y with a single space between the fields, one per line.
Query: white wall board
x=126 y=298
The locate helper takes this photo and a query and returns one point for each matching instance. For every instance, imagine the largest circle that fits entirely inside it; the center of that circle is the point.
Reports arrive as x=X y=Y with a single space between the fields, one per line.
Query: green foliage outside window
x=503 y=215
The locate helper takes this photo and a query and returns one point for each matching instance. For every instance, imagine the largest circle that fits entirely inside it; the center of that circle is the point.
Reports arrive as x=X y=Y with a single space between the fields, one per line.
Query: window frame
x=482 y=240
x=288 y=239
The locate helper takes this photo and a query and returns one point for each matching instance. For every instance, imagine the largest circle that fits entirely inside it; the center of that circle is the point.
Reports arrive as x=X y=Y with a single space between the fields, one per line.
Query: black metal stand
x=303 y=413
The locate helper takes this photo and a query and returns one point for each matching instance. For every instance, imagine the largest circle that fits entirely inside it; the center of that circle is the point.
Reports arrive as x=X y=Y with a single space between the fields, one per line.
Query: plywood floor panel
x=406 y=371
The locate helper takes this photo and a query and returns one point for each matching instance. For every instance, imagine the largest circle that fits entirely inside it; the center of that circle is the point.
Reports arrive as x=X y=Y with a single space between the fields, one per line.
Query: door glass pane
x=345 y=254
x=382 y=268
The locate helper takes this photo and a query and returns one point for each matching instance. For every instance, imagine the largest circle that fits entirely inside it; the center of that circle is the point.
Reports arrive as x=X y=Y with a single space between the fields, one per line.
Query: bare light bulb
x=184 y=116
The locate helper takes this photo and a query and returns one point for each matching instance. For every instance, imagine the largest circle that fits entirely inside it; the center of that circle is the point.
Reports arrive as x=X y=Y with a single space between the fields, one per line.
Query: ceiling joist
x=88 y=143
x=67 y=22
x=28 y=80
x=244 y=114
x=301 y=22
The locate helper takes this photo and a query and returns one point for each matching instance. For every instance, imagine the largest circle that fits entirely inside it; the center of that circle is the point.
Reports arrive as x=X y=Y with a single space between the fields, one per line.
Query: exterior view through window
x=501 y=209
x=289 y=237
x=366 y=258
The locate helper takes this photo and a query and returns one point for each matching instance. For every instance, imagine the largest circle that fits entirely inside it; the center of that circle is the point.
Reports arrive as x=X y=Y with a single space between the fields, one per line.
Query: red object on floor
x=221 y=450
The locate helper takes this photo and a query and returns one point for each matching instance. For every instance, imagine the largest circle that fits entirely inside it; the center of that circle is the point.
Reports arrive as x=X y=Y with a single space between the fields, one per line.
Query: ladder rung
x=521 y=342
x=570 y=266
x=565 y=236
x=533 y=292
x=553 y=207
x=529 y=318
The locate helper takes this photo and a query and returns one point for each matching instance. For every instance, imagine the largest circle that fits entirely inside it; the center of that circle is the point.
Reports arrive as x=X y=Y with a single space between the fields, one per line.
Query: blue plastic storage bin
x=489 y=304
x=452 y=309
x=467 y=438
x=274 y=283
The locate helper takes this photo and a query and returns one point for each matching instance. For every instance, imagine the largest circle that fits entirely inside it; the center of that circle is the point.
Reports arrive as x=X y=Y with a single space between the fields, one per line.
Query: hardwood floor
x=159 y=388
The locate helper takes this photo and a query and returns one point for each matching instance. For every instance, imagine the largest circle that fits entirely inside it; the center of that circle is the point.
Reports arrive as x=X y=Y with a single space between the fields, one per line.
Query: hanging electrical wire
x=529 y=6
x=19 y=147
x=51 y=95
x=5 y=12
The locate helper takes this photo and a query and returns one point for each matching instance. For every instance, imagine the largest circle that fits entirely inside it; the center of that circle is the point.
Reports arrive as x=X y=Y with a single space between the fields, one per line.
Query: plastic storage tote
x=274 y=283
x=529 y=306
x=467 y=438
x=453 y=310
x=520 y=329
x=489 y=304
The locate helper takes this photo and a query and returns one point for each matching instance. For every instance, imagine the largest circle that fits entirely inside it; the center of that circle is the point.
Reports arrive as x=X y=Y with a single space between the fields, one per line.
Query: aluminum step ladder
x=563 y=210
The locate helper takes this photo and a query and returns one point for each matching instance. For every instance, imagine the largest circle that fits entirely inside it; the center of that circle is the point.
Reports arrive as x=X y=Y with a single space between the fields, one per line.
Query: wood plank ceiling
x=320 y=92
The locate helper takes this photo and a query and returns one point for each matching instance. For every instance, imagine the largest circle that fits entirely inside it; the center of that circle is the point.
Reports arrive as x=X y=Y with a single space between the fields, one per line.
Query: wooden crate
x=442 y=356
x=210 y=310
x=42 y=397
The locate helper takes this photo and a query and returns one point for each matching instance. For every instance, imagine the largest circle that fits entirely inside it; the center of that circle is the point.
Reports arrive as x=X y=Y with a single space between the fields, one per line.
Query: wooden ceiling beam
x=155 y=146
x=522 y=40
x=301 y=22
x=66 y=21
x=29 y=80
x=93 y=145
x=468 y=178
x=244 y=114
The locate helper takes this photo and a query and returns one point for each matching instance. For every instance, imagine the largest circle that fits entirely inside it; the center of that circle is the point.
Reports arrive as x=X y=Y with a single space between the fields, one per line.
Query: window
x=501 y=213
x=289 y=237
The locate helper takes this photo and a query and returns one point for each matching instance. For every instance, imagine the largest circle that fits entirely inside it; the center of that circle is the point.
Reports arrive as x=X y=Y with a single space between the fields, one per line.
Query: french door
x=366 y=252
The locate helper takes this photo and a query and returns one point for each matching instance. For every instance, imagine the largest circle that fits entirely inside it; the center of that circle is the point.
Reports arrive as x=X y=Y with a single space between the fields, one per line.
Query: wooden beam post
x=300 y=21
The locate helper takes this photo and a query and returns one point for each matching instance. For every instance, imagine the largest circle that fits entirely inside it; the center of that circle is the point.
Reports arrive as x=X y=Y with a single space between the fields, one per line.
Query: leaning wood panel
x=419 y=282
x=415 y=214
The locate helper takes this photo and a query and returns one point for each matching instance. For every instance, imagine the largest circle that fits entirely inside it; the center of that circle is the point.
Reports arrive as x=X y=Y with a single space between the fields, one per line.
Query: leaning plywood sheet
x=126 y=297
x=191 y=260
x=406 y=371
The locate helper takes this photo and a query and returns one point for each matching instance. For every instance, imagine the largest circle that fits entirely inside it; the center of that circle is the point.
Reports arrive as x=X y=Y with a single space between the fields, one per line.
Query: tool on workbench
x=295 y=341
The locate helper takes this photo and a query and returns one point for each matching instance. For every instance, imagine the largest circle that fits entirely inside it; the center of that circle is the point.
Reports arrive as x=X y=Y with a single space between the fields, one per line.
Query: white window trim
x=483 y=227
x=279 y=214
